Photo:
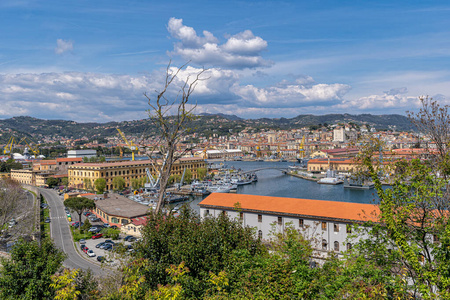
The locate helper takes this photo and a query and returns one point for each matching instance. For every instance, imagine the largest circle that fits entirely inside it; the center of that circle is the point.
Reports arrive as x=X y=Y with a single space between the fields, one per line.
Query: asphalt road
x=60 y=232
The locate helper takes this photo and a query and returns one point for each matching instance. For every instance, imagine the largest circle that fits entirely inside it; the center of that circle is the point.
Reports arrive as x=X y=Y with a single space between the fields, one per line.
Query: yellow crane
x=9 y=146
x=34 y=149
x=131 y=145
x=301 y=150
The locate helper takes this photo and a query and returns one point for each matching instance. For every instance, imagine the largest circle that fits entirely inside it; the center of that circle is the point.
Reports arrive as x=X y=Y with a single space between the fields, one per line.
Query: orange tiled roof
x=48 y=162
x=304 y=207
x=64 y=159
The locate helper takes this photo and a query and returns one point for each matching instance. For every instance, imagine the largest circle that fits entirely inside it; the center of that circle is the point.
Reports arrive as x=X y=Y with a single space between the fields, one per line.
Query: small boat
x=358 y=184
x=330 y=180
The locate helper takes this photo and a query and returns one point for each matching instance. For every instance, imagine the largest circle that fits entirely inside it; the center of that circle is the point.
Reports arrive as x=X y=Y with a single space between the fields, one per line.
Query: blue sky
x=93 y=60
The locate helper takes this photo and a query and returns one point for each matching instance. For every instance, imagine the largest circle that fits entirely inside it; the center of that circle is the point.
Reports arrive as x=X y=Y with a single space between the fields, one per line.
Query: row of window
x=300 y=222
x=336 y=245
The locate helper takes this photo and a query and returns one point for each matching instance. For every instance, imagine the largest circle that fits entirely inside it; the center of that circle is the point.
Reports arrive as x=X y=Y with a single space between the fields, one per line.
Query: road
x=62 y=238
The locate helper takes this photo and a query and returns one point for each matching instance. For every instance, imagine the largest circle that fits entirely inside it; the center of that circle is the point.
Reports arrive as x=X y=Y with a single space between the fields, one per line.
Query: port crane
x=34 y=149
x=130 y=145
x=9 y=146
x=301 y=150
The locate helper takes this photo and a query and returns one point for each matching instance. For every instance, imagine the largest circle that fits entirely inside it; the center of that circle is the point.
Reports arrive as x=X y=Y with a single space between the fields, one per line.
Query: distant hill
x=205 y=124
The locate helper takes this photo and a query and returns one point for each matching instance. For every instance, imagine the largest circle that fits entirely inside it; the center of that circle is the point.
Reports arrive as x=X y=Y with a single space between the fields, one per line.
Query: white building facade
x=327 y=224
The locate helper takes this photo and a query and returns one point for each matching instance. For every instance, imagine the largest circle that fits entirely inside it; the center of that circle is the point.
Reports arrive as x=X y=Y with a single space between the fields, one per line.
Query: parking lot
x=109 y=255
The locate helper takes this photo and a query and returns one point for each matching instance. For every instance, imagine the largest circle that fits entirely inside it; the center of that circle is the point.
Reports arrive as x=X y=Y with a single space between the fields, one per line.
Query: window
x=224 y=212
x=300 y=222
x=207 y=212
x=349 y=228
x=324 y=244
x=114 y=220
x=336 y=227
x=280 y=221
x=349 y=246
x=259 y=218
x=324 y=225
x=260 y=235
x=241 y=216
x=336 y=246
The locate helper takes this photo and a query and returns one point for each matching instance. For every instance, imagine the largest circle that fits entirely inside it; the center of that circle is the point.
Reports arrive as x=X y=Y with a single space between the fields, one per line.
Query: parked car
x=109 y=241
x=99 y=229
x=82 y=241
x=75 y=223
x=101 y=258
x=82 y=247
x=99 y=245
x=106 y=225
x=108 y=247
x=95 y=219
x=47 y=220
x=127 y=237
x=86 y=213
x=97 y=236
x=93 y=228
x=132 y=239
x=90 y=253
x=114 y=227
x=86 y=249
x=44 y=205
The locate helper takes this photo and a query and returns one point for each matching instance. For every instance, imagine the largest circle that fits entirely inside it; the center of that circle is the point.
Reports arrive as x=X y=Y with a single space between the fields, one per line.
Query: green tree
x=201 y=173
x=118 y=183
x=170 y=241
x=413 y=240
x=100 y=185
x=86 y=225
x=65 y=181
x=187 y=176
x=112 y=233
x=27 y=275
x=79 y=204
x=52 y=182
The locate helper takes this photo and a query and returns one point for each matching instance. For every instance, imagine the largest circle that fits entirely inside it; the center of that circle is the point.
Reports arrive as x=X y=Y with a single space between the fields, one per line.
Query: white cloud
x=240 y=51
x=73 y=95
x=395 y=98
x=63 y=46
x=293 y=94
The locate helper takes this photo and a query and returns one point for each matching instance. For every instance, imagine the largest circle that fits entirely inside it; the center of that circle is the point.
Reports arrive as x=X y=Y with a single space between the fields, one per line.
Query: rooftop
x=120 y=206
x=294 y=206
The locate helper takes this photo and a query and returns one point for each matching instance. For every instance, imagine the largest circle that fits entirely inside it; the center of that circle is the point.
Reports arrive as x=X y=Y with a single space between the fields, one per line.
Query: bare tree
x=11 y=196
x=171 y=119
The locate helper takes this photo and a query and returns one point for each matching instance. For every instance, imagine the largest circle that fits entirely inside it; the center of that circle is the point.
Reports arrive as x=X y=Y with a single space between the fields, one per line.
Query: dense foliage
x=28 y=274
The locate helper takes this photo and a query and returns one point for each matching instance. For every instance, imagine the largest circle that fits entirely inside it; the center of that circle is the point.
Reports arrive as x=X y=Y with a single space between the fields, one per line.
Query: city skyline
x=87 y=61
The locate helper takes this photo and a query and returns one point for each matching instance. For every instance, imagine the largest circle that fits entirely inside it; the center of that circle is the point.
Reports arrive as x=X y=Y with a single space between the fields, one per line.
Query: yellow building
x=24 y=176
x=31 y=177
x=338 y=164
x=128 y=170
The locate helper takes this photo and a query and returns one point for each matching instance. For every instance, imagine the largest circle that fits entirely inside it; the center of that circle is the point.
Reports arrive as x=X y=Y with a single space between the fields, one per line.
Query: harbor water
x=273 y=182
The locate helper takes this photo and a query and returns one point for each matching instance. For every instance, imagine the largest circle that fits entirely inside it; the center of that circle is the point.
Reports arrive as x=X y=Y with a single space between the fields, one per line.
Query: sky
x=92 y=61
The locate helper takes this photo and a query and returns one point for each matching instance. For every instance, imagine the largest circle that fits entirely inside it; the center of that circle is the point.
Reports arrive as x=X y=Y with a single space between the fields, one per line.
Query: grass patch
x=45 y=213
x=78 y=236
x=45 y=227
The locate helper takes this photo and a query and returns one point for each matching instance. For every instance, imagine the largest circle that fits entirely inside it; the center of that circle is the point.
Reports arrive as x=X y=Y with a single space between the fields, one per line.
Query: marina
x=273 y=182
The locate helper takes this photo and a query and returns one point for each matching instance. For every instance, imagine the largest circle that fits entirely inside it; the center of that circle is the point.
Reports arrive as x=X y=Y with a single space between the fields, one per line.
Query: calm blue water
x=275 y=183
